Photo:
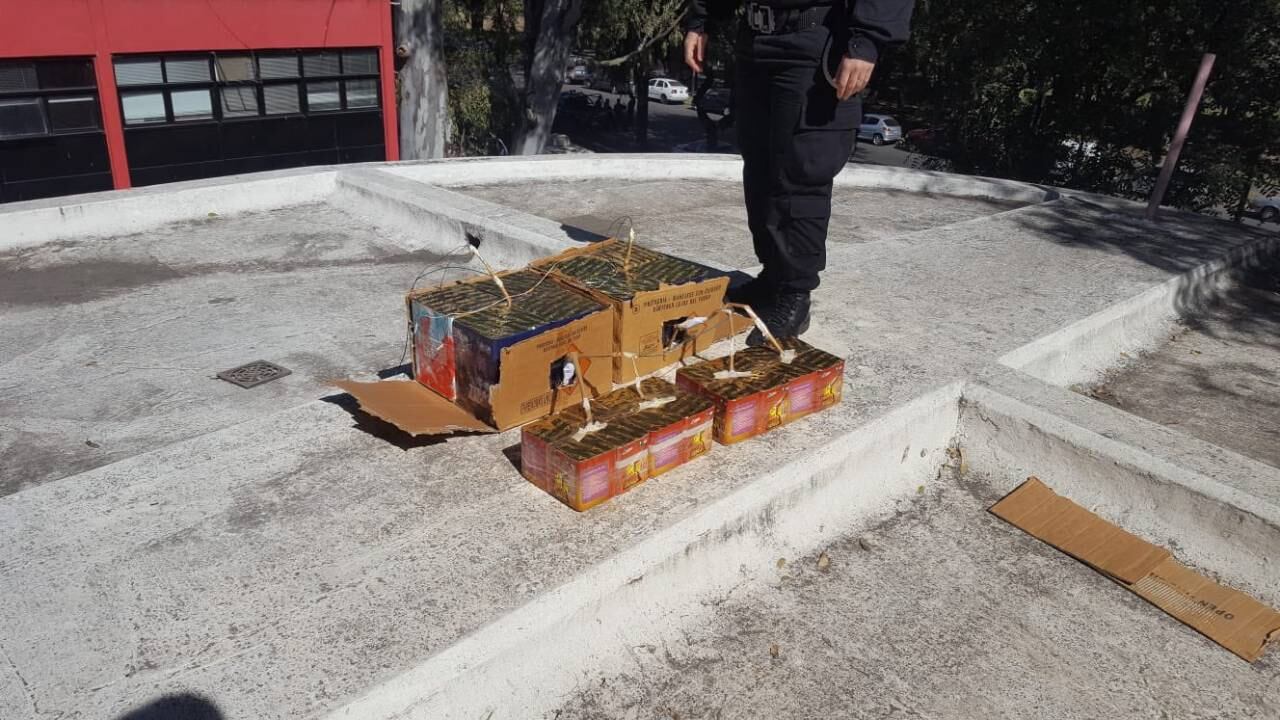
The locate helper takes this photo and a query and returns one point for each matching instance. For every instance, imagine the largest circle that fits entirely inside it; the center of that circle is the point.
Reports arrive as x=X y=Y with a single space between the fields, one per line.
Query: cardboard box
x=651 y=294
x=772 y=395
x=1230 y=618
x=635 y=443
x=483 y=366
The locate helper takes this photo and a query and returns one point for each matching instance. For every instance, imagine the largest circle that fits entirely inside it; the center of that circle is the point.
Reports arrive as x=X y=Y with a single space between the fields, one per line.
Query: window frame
x=300 y=83
x=42 y=95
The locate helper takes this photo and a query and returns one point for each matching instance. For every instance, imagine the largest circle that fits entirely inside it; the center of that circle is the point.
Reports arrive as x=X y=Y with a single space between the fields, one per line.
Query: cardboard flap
x=1229 y=617
x=412 y=407
x=1035 y=508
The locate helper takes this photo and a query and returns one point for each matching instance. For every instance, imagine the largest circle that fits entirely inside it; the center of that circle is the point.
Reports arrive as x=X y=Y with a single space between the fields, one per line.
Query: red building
x=101 y=94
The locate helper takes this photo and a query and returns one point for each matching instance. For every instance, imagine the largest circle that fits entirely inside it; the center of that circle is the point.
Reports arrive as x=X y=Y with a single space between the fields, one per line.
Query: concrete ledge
x=1082 y=351
x=523 y=664
x=432 y=218
x=1219 y=527
x=127 y=211
x=726 y=168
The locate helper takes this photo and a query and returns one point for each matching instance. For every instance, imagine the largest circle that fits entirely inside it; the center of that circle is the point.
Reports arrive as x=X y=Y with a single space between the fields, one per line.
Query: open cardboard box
x=653 y=296
x=502 y=367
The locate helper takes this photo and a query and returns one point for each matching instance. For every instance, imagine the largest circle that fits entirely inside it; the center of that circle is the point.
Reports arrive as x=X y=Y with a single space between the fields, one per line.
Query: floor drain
x=254 y=373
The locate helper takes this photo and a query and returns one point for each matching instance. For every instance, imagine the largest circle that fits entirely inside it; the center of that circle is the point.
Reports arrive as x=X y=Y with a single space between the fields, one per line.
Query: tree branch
x=645 y=45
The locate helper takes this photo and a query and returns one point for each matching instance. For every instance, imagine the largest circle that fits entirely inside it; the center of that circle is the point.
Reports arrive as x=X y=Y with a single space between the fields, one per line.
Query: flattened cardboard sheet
x=412 y=407
x=1229 y=617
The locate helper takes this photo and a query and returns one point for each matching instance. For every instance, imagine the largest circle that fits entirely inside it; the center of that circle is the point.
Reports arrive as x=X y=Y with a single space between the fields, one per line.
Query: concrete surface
x=941 y=611
x=112 y=344
x=705 y=220
x=274 y=553
x=1217 y=376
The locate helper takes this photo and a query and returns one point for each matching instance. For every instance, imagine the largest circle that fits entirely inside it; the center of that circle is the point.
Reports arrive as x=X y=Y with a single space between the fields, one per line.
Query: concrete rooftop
x=278 y=555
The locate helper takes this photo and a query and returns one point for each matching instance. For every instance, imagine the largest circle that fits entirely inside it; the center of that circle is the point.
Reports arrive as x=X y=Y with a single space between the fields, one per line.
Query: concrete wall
x=728 y=168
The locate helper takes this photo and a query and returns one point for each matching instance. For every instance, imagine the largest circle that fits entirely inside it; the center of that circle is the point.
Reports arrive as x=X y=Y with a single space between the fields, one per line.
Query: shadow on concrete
x=384 y=430
x=1247 y=315
x=184 y=706
x=581 y=234
x=405 y=369
x=1177 y=242
x=512 y=454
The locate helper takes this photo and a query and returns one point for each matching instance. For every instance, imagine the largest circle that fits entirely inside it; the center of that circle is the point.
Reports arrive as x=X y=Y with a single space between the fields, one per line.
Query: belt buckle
x=761 y=18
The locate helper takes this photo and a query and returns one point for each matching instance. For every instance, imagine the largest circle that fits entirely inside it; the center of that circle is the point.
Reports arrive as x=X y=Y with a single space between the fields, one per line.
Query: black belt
x=767 y=20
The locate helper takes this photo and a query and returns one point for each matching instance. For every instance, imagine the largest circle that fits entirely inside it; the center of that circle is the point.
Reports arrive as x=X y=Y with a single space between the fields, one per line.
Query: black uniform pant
x=794 y=137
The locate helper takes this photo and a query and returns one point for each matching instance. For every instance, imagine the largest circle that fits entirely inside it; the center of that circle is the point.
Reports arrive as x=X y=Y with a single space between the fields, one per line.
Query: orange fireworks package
x=754 y=390
x=630 y=436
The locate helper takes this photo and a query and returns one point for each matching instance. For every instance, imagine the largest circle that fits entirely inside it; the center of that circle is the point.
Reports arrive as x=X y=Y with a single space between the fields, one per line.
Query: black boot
x=787 y=318
x=758 y=293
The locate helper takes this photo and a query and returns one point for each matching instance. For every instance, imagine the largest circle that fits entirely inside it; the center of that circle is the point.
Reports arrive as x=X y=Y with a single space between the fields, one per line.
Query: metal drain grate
x=254 y=373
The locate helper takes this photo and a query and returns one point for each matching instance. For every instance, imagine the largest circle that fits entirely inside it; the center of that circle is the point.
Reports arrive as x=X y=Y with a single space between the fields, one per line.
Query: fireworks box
x=484 y=365
x=637 y=438
x=653 y=296
x=763 y=393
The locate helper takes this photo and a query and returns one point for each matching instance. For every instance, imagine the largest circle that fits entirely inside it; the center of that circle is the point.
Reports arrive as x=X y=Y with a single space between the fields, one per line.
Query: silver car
x=879 y=129
x=1268 y=208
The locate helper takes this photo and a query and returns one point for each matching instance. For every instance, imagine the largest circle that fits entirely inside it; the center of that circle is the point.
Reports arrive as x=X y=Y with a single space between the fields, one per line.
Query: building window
x=231 y=86
x=47 y=97
x=143 y=107
x=281 y=99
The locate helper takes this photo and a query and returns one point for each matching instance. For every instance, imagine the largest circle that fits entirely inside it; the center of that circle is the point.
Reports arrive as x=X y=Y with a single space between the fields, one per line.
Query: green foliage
x=482 y=101
x=1087 y=94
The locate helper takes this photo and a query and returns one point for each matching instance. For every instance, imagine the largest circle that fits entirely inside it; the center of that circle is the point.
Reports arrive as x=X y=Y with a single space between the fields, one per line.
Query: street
x=674 y=125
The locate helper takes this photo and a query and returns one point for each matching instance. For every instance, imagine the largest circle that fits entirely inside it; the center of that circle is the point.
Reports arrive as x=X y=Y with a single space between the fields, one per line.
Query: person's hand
x=695 y=49
x=853 y=76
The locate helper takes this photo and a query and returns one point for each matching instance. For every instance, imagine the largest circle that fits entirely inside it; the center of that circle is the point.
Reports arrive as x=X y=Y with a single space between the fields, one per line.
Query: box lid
x=478 y=304
x=607 y=267
x=412 y=407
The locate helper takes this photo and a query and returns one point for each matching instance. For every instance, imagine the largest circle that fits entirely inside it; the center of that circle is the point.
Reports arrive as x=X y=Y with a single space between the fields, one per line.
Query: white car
x=1268 y=208
x=668 y=90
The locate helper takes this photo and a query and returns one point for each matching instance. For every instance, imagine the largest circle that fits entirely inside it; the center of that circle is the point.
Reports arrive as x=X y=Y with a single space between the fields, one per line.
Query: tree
x=423 y=80
x=627 y=33
x=1087 y=94
x=548 y=28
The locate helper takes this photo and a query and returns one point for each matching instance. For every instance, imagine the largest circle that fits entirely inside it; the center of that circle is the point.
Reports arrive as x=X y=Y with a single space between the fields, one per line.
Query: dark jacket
x=874 y=25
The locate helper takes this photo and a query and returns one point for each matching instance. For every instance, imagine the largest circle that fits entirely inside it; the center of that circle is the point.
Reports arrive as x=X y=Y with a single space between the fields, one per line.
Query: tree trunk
x=641 y=82
x=476 y=13
x=548 y=29
x=424 y=101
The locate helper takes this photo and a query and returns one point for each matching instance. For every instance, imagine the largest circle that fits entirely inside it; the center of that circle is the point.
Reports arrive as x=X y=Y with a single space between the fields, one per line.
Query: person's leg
x=751 y=115
x=815 y=148
x=811 y=135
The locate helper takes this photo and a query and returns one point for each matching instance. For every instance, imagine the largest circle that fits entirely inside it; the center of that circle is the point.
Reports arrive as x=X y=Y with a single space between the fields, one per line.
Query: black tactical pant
x=794 y=137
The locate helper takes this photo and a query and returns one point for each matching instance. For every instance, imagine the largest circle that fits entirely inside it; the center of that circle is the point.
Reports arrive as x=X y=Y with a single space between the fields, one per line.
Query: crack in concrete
x=26 y=686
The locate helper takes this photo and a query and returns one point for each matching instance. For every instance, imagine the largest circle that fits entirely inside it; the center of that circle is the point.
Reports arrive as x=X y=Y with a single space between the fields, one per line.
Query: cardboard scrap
x=1229 y=617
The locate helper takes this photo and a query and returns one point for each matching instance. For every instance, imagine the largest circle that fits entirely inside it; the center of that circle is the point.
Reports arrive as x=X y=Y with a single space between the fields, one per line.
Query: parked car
x=604 y=83
x=668 y=90
x=879 y=129
x=929 y=140
x=1268 y=208
x=715 y=100
x=578 y=75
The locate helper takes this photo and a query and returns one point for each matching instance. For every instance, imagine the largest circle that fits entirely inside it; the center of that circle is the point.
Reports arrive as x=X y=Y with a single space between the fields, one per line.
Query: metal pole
x=1180 y=135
